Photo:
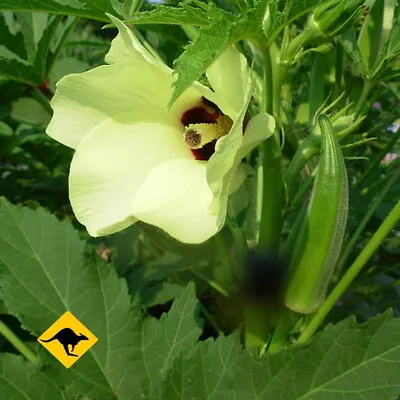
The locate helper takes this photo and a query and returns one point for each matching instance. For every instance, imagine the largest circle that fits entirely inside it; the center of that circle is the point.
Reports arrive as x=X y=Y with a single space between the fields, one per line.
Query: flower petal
x=176 y=198
x=230 y=79
x=82 y=101
x=127 y=48
x=259 y=128
x=222 y=165
x=113 y=161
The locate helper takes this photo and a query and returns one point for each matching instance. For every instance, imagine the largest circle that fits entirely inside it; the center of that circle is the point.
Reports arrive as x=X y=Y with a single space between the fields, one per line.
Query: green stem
x=306 y=150
x=351 y=243
x=257 y=324
x=273 y=199
x=257 y=318
x=305 y=187
x=17 y=343
x=316 y=93
x=286 y=322
x=223 y=252
x=391 y=220
x=211 y=320
x=215 y=285
x=268 y=86
x=281 y=73
x=361 y=101
x=42 y=99
x=272 y=188
x=339 y=72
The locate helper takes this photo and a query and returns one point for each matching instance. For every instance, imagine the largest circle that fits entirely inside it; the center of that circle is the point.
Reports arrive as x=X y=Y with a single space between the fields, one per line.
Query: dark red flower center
x=205 y=113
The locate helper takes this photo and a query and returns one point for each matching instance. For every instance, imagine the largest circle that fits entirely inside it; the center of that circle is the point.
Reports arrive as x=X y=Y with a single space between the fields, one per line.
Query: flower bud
x=333 y=17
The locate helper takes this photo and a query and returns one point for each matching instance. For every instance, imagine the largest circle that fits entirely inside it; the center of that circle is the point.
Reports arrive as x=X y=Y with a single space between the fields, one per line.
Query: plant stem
x=215 y=285
x=211 y=319
x=306 y=150
x=257 y=324
x=257 y=317
x=391 y=220
x=286 y=322
x=272 y=188
x=339 y=72
x=351 y=243
x=17 y=343
x=361 y=101
x=272 y=202
x=268 y=85
x=42 y=99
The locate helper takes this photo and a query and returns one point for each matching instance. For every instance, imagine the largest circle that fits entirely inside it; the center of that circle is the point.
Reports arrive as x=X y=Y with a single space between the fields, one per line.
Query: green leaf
x=43 y=52
x=10 y=35
x=394 y=39
x=32 y=28
x=374 y=35
x=157 y=270
x=223 y=30
x=198 y=56
x=65 y=66
x=31 y=66
x=165 y=339
x=185 y=14
x=92 y=9
x=28 y=110
x=348 y=40
x=125 y=7
x=347 y=361
x=12 y=55
x=22 y=380
x=14 y=67
x=207 y=372
x=160 y=293
x=43 y=274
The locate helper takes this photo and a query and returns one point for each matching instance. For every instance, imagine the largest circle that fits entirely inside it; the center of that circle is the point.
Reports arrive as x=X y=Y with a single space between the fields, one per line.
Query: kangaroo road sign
x=67 y=339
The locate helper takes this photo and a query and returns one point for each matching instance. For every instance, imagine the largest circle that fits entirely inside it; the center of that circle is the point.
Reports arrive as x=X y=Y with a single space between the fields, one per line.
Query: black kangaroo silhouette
x=67 y=337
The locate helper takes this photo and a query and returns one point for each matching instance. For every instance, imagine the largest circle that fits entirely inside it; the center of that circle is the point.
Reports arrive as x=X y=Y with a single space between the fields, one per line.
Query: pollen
x=198 y=135
x=192 y=138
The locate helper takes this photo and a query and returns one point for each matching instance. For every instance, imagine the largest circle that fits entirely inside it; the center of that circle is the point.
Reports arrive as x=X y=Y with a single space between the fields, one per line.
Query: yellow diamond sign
x=67 y=339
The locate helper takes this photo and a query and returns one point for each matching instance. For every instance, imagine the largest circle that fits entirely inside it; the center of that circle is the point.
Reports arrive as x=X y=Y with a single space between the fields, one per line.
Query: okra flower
x=137 y=159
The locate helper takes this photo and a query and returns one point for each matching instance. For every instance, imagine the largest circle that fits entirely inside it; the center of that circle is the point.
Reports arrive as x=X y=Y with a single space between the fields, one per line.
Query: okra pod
x=320 y=238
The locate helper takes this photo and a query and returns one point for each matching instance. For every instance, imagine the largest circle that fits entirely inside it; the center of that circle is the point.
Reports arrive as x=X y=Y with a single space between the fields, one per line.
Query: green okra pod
x=320 y=237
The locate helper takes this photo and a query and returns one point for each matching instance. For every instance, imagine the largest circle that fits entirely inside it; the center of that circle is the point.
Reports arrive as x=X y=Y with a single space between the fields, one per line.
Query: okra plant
x=200 y=199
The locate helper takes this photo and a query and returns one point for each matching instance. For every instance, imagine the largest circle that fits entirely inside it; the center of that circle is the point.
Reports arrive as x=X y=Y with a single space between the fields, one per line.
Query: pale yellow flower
x=136 y=159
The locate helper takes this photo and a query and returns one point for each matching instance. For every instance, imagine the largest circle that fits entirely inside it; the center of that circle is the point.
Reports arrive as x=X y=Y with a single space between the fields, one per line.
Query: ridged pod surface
x=320 y=237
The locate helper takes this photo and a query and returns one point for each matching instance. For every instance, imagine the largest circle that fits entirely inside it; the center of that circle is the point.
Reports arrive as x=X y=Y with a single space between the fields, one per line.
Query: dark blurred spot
x=264 y=276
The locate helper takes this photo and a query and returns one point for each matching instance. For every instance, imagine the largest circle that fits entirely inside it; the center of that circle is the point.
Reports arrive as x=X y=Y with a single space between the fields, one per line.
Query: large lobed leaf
x=21 y=380
x=208 y=373
x=43 y=273
x=94 y=9
x=347 y=362
x=183 y=14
